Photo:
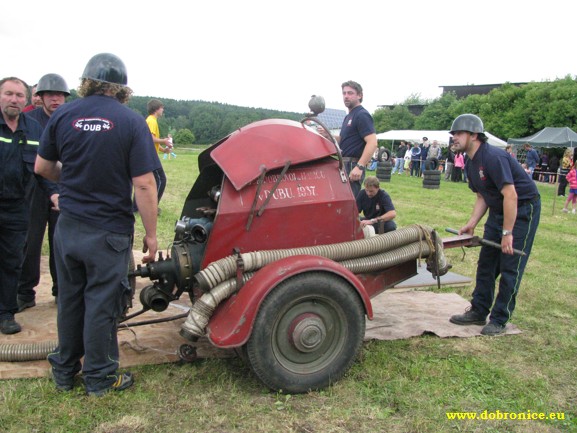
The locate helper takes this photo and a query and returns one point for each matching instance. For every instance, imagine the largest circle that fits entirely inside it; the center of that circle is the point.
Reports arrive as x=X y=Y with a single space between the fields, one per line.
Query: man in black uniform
x=18 y=145
x=97 y=148
x=514 y=205
x=52 y=90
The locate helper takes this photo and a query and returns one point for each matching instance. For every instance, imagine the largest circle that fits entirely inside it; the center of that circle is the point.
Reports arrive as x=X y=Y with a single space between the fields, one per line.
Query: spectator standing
x=433 y=153
x=400 y=159
x=449 y=161
x=52 y=91
x=155 y=110
x=93 y=238
x=424 y=152
x=572 y=181
x=553 y=168
x=459 y=165
x=531 y=158
x=407 y=163
x=416 y=160
x=544 y=165
x=376 y=206
x=514 y=206
x=566 y=164
x=19 y=136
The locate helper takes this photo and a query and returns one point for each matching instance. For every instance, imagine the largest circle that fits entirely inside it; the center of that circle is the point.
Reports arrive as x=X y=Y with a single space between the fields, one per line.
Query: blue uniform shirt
x=356 y=126
x=102 y=145
x=491 y=169
x=17 y=156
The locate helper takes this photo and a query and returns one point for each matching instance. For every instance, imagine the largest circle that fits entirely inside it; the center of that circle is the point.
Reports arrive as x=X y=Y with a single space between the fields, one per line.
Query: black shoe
x=470 y=317
x=9 y=326
x=63 y=385
x=123 y=381
x=492 y=328
x=22 y=305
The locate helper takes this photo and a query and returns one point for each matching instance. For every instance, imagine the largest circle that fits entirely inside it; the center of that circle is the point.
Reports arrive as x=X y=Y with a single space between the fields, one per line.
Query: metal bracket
x=239 y=268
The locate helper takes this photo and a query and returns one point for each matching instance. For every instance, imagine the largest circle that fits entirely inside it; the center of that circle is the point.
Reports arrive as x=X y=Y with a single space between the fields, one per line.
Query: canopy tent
x=549 y=137
x=441 y=136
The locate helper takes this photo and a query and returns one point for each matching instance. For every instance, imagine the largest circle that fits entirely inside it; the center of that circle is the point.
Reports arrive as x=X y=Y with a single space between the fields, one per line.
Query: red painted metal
x=269 y=144
x=231 y=324
x=311 y=206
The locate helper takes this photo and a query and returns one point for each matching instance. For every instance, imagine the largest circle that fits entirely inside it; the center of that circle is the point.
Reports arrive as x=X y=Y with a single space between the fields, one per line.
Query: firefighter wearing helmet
x=512 y=199
x=98 y=149
x=52 y=91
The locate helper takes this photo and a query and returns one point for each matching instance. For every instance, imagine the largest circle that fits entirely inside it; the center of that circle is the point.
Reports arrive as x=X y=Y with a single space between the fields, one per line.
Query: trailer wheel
x=307 y=333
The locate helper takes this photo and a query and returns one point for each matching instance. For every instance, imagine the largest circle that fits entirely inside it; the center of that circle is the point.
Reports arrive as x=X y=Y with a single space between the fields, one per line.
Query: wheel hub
x=307 y=332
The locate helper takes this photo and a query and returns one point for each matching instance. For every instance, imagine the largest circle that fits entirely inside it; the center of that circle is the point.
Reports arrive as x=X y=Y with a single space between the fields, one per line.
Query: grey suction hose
x=202 y=310
x=225 y=268
x=26 y=352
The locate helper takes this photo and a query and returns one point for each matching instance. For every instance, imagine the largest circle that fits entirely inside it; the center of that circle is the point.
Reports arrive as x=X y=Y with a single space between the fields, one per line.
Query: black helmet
x=469 y=123
x=52 y=83
x=107 y=68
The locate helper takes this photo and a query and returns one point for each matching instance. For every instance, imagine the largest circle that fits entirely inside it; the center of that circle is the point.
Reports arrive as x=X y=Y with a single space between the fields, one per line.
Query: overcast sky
x=274 y=54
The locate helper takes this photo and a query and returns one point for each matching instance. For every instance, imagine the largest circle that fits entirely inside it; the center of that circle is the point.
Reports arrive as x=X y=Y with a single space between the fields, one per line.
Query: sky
x=276 y=54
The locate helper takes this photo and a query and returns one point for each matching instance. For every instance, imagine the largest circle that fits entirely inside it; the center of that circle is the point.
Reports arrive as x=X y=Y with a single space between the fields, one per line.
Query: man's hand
x=355 y=174
x=150 y=245
x=54 y=200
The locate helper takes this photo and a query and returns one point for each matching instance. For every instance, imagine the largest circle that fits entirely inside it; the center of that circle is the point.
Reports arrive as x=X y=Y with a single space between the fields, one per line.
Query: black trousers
x=41 y=215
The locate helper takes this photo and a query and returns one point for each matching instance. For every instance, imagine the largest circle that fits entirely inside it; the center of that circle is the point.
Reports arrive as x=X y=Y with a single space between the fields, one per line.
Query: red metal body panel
x=269 y=144
x=310 y=206
x=231 y=324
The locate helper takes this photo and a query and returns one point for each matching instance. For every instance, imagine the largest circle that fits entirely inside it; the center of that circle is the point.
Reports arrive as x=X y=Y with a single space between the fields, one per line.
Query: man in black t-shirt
x=376 y=206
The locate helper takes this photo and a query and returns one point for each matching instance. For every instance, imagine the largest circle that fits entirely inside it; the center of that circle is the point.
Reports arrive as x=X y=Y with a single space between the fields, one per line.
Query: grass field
x=395 y=386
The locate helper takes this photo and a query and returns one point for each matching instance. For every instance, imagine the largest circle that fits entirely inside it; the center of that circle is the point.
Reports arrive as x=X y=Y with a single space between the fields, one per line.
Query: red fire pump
x=270 y=250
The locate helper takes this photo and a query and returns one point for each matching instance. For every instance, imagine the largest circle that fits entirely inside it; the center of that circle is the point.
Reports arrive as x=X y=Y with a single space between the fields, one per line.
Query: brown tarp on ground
x=398 y=313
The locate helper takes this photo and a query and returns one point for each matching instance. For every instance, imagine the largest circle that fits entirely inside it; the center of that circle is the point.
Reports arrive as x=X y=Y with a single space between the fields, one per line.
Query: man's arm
x=147 y=202
x=479 y=210
x=50 y=170
x=509 y=216
x=370 y=147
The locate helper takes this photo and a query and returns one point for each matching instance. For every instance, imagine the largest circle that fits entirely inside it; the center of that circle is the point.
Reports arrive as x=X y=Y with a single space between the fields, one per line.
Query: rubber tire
x=432 y=186
x=384 y=155
x=384 y=171
x=384 y=164
x=278 y=362
x=431 y=164
x=431 y=182
x=431 y=173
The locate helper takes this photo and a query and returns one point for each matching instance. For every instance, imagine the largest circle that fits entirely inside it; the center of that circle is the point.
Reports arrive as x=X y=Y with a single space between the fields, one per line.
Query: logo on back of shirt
x=93 y=124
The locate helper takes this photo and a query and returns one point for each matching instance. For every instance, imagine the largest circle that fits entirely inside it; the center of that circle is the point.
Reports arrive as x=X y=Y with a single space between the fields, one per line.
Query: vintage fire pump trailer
x=270 y=250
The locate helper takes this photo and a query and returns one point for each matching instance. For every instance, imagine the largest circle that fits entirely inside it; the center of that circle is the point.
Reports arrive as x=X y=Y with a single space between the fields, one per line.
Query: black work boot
x=470 y=317
x=9 y=326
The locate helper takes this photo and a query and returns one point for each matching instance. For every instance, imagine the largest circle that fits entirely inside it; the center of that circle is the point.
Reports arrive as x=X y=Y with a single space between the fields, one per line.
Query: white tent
x=441 y=136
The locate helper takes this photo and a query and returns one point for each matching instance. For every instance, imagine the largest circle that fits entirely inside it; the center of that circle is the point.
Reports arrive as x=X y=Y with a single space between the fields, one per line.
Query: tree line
x=508 y=112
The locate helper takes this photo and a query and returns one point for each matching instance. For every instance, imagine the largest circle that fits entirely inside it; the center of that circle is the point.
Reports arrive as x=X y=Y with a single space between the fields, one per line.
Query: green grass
x=395 y=386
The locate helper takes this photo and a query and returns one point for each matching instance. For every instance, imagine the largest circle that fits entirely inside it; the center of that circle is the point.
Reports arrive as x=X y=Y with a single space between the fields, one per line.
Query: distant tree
x=437 y=115
x=183 y=136
x=387 y=119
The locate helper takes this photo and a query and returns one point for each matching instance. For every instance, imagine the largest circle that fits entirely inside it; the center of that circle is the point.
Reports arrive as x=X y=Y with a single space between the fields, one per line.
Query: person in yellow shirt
x=155 y=110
